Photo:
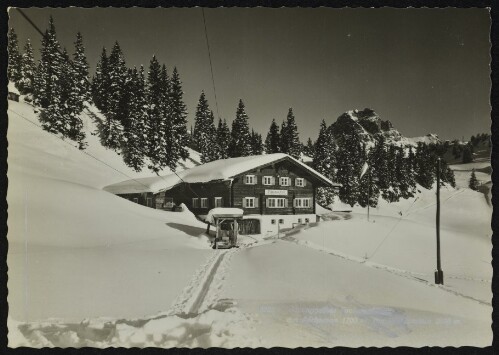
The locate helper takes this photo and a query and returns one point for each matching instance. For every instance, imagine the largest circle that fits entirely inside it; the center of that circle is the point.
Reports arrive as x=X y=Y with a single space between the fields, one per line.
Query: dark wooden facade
x=232 y=193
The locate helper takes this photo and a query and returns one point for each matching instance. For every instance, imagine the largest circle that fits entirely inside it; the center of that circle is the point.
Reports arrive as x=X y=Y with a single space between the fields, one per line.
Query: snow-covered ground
x=87 y=268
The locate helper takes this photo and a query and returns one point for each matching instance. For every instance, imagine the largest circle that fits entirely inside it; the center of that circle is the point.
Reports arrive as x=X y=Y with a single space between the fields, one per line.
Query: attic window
x=250 y=179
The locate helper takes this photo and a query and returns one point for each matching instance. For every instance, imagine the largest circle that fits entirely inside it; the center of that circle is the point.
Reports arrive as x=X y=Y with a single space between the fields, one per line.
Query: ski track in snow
x=203 y=289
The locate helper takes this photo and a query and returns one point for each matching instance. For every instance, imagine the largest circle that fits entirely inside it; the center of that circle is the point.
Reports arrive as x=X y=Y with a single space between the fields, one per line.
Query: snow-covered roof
x=12 y=88
x=219 y=170
x=223 y=212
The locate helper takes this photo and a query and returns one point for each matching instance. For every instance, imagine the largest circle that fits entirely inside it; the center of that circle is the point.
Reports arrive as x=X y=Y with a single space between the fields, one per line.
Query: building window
x=204 y=202
x=272 y=221
x=300 y=182
x=307 y=220
x=136 y=199
x=218 y=202
x=299 y=220
x=274 y=202
x=195 y=202
x=250 y=179
x=281 y=221
x=149 y=202
x=250 y=202
x=268 y=180
x=284 y=181
x=302 y=202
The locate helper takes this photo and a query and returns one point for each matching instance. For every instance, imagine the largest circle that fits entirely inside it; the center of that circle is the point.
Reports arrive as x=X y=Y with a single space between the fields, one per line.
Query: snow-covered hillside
x=87 y=268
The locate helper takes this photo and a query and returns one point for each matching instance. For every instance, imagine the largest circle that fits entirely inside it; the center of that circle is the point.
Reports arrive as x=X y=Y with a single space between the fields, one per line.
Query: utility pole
x=368 y=191
x=439 y=274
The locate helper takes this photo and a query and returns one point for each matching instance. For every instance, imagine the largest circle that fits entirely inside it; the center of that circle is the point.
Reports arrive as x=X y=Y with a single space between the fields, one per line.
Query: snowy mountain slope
x=367 y=124
x=45 y=154
x=72 y=243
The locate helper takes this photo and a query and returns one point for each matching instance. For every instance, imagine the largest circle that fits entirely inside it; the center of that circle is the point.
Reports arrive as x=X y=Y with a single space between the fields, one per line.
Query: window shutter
x=221 y=202
x=272 y=180
x=256 y=201
x=255 y=180
x=296 y=181
x=311 y=201
x=285 y=202
x=245 y=180
x=294 y=202
x=304 y=182
x=264 y=202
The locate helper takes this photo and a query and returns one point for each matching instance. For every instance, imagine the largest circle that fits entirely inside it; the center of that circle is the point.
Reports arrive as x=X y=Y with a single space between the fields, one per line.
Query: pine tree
x=205 y=135
x=223 y=139
x=467 y=154
x=71 y=102
x=308 y=149
x=101 y=83
x=48 y=71
x=178 y=117
x=324 y=161
x=290 y=142
x=155 y=113
x=392 y=194
x=368 y=188
x=28 y=69
x=80 y=66
x=350 y=160
x=256 y=143
x=273 y=140
x=473 y=182
x=424 y=166
x=135 y=149
x=14 y=58
x=240 y=144
x=112 y=133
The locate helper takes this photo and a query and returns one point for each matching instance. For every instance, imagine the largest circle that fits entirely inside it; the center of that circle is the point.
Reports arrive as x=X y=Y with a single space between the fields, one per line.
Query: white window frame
x=249 y=202
x=272 y=221
x=302 y=202
x=250 y=179
x=195 y=202
x=268 y=180
x=204 y=202
x=307 y=220
x=276 y=202
x=285 y=178
x=218 y=202
x=300 y=182
x=281 y=221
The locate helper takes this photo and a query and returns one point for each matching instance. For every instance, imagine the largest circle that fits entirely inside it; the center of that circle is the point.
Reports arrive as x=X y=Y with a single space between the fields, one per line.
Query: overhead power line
x=211 y=65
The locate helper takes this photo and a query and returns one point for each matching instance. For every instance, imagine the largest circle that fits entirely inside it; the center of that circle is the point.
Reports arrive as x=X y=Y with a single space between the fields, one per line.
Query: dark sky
x=425 y=70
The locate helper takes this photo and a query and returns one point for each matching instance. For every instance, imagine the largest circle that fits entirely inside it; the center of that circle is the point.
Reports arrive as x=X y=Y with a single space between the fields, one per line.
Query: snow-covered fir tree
x=368 y=189
x=48 y=71
x=403 y=174
x=135 y=148
x=424 y=166
x=223 y=138
x=71 y=102
x=290 y=142
x=178 y=117
x=101 y=83
x=111 y=134
x=473 y=182
x=256 y=143
x=205 y=134
x=240 y=143
x=80 y=65
x=14 y=58
x=392 y=194
x=324 y=159
x=308 y=149
x=273 y=139
x=349 y=161
x=28 y=70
